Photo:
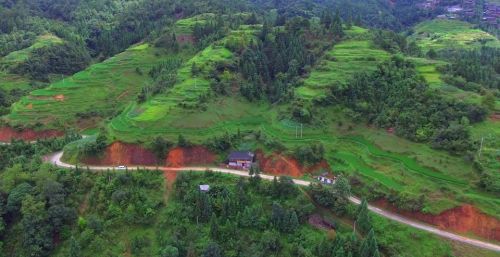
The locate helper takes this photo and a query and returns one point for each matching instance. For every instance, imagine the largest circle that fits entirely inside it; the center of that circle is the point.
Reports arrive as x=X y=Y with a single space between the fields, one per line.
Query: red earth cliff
x=120 y=153
x=462 y=219
x=188 y=156
x=281 y=165
x=7 y=134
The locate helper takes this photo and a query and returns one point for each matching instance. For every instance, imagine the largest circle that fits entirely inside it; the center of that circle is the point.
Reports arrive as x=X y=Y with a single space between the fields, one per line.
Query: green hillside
x=19 y=56
x=107 y=87
x=354 y=54
x=444 y=33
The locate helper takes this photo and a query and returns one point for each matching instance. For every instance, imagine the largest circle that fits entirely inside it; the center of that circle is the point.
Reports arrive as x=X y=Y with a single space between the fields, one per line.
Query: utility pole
x=301 y=130
x=296 y=131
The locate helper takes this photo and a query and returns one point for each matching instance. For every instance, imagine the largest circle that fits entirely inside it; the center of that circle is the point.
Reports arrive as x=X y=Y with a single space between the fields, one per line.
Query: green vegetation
x=110 y=86
x=442 y=33
x=20 y=56
x=341 y=62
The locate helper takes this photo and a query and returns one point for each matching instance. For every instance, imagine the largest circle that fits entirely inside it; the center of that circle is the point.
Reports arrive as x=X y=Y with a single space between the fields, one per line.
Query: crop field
x=22 y=55
x=340 y=63
x=106 y=87
x=440 y=33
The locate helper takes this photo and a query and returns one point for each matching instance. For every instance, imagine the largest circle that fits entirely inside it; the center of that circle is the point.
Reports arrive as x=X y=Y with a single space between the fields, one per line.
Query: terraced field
x=157 y=113
x=441 y=33
x=100 y=90
x=355 y=54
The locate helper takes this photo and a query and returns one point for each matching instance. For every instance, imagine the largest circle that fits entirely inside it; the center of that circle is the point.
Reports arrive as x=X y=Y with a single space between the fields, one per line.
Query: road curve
x=55 y=159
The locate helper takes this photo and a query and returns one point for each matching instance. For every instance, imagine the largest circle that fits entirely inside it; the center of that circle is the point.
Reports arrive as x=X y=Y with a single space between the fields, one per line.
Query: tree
x=369 y=247
x=432 y=53
x=183 y=142
x=160 y=147
x=363 y=220
x=214 y=227
x=488 y=101
x=74 y=248
x=212 y=250
x=169 y=251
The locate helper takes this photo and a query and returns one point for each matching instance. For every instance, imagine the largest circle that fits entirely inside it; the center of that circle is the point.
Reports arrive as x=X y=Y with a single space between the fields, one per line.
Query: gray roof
x=241 y=156
x=204 y=187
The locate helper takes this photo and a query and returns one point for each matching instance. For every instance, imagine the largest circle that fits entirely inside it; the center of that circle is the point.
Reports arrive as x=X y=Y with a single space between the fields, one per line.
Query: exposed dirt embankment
x=281 y=165
x=196 y=155
x=120 y=153
x=8 y=133
x=462 y=219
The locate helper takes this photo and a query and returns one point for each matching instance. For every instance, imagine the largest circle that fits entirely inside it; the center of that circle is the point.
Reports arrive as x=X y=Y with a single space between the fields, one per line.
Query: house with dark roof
x=241 y=159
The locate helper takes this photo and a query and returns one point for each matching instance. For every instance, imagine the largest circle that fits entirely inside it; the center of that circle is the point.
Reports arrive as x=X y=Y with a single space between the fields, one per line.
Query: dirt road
x=56 y=160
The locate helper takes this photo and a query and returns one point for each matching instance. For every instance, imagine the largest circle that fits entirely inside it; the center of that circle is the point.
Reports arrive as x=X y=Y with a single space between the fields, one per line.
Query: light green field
x=100 y=90
x=185 y=26
x=441 y=33
x=23 y=54
x=339 y=64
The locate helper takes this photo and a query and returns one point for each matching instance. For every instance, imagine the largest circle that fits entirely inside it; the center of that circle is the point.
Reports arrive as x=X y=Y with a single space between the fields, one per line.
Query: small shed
x=241 y=159
x=204 y=188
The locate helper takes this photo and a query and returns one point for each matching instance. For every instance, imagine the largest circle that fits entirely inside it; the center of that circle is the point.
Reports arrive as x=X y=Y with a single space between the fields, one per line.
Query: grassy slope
x=378 y=157
x=338 y=65
x=103 y=88
x=11 y=81
x=440 y=33
x=156 y=114
x=23 y=54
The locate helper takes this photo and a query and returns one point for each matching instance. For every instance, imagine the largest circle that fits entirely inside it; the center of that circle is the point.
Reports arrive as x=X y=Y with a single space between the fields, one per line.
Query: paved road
x=56 y=160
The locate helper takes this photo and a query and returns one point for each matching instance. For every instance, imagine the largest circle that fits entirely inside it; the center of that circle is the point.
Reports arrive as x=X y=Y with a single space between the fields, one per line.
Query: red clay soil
x=8 y=133
x=281 y=165
x=189 y=156
x=462 y=219
x=120 y=153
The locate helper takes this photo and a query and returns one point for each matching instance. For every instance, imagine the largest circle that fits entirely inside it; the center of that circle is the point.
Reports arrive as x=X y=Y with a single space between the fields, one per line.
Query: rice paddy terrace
x=444 y=33
x=354 y=54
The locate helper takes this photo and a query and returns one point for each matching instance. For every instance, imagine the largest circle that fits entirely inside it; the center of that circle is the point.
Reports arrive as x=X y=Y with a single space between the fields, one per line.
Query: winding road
x=55 y=159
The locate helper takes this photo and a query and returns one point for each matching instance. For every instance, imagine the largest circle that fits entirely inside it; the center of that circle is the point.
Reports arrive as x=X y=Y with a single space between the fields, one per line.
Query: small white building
x=204 y=188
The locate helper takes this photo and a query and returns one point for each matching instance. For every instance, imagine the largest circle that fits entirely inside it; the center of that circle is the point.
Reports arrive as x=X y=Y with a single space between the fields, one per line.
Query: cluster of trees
x=396 y=96
x=393 y=42
x=66 y=59
x=270 y=65
x=310 y=154
x=471 y=69
x=34 y=199
x=335 y=197
x=163 y=75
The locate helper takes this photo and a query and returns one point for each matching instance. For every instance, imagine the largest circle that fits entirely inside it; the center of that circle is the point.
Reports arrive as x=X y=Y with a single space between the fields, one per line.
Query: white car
x=121 y=167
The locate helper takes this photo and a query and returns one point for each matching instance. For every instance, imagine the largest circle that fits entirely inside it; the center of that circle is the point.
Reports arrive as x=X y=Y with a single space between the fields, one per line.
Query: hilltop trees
x=396 y=96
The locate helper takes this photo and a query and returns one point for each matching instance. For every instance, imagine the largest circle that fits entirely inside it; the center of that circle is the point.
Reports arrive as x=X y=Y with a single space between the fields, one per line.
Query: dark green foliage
x=369 y=247
x=271 y=65
x=310 y=154
x=396 y=96
x=59 y=59
x=169 y=251
x=479 y=65
x=335 y=197
x=363 y=220
x=394 y=42
x=213 y=250
x=160 y=148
